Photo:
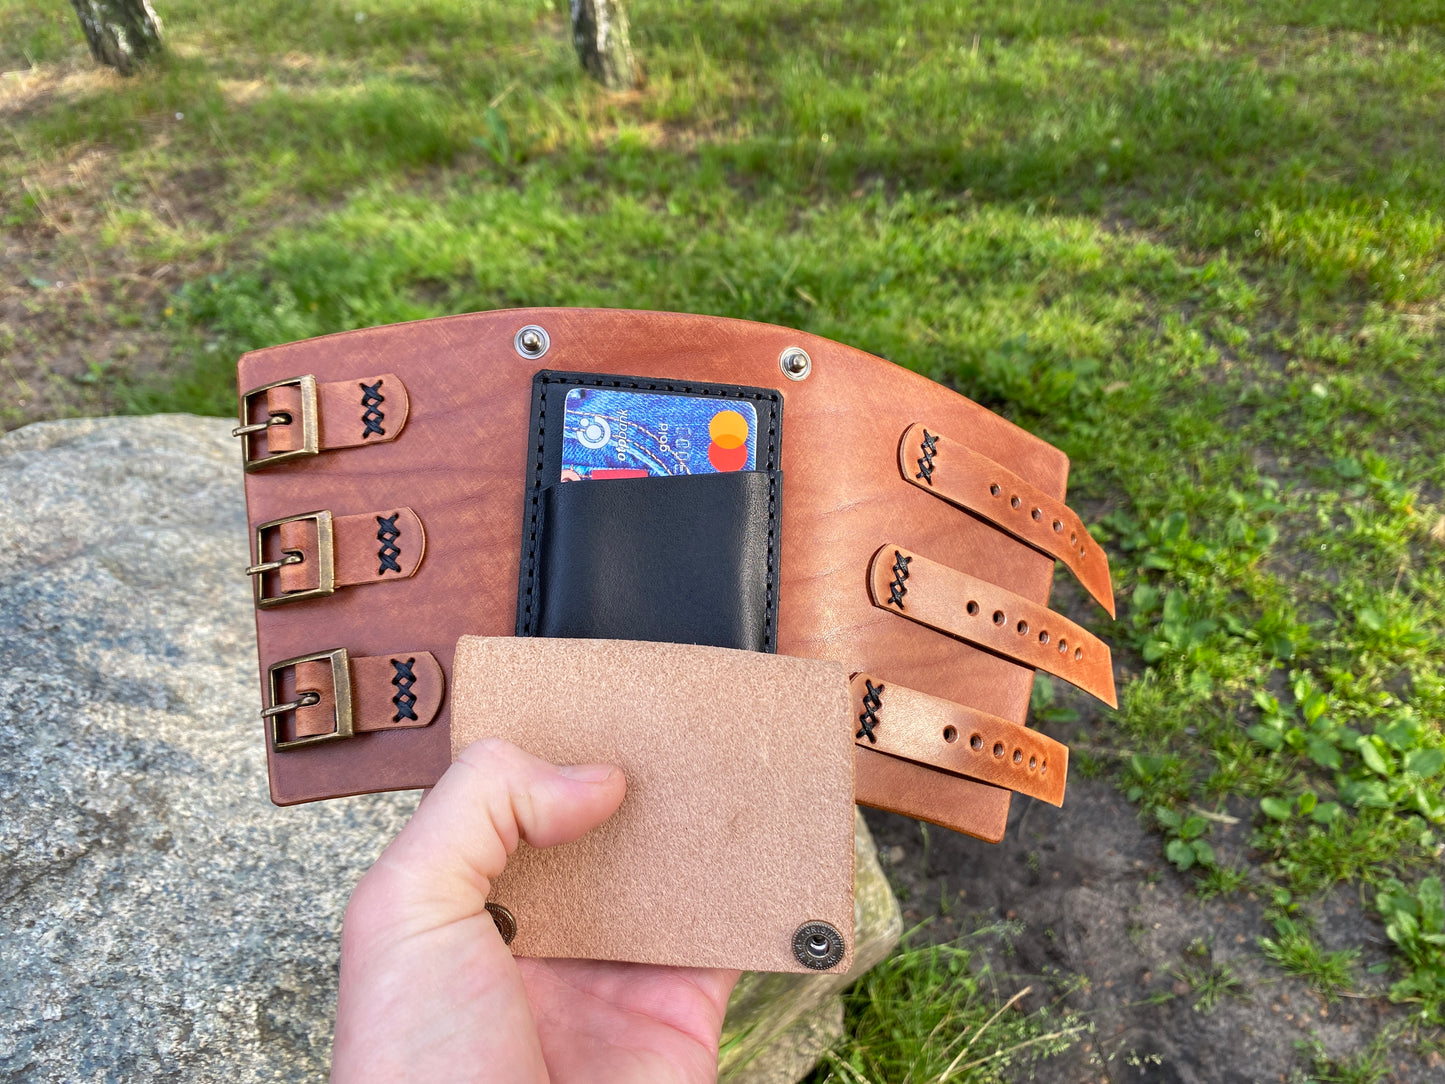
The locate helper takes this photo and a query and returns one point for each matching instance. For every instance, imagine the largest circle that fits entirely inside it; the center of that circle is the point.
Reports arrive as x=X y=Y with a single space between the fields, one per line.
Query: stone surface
x=159 y=918
x=791 y=1055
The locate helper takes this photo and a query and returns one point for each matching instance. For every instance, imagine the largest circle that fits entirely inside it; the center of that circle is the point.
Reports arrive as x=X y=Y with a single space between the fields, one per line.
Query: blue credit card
x=618 y=433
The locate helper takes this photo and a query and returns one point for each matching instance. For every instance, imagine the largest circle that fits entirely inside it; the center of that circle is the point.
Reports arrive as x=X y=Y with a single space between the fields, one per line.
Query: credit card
x=620 y=433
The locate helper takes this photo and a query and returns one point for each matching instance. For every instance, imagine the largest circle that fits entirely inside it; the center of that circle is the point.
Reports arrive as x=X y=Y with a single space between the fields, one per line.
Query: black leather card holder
x=690 y=558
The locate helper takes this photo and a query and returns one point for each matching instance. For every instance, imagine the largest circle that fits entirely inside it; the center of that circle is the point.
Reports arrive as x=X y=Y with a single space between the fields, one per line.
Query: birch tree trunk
x=121 y=33
x=599 y=31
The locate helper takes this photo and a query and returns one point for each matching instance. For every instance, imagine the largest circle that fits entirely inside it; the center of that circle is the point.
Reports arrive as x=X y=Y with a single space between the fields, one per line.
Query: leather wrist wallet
x=407 y=488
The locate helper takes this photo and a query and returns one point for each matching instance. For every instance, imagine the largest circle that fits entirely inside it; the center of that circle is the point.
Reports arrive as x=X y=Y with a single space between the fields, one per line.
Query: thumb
x=441 y=866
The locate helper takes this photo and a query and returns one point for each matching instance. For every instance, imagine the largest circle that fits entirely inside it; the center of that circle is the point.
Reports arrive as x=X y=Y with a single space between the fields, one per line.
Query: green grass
x=927 y=1014
x=1200 y=247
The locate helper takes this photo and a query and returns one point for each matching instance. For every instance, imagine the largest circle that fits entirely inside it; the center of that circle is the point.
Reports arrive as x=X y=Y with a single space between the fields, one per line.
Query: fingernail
x=587 y=773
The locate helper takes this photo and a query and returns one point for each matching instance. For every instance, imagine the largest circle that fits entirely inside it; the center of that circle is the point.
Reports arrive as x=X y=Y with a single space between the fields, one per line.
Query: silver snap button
x=795 y=363
x=532 y=342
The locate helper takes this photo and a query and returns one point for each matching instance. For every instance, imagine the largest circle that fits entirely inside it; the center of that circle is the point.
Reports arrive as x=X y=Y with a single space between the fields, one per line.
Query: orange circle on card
x=728 y=428
x=726 y=459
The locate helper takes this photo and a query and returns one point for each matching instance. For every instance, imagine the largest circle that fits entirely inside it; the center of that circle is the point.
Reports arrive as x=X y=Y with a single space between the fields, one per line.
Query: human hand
x=430 y=992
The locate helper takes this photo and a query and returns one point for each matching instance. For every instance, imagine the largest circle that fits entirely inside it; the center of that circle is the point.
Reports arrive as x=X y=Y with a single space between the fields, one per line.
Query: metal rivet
x=532 y=342
x=817 y=946
x=795 y=363
x=506 y=924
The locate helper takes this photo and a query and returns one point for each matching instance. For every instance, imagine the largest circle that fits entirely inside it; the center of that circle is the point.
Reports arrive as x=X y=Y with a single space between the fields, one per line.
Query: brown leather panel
x=737 y=827
x=991 y=616
x=951 y=801
x=342 y=406
x=905 y=723
x=373 y=695
x=462 y=461
x=359 y=547
x=975 y=482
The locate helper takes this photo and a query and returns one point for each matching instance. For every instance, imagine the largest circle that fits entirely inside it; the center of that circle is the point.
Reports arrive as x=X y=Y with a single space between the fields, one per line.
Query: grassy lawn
x=1200 y=247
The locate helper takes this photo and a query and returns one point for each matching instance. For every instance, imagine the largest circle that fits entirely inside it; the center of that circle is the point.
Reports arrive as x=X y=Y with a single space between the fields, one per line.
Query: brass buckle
x=325 y=561
x=310 y=431
x=341 y=682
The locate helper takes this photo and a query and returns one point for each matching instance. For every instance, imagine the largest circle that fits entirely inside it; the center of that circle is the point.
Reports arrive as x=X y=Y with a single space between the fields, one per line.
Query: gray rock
x=159 y=918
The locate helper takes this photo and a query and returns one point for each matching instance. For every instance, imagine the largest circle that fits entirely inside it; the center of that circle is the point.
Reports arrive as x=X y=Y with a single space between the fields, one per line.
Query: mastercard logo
x=729 y=448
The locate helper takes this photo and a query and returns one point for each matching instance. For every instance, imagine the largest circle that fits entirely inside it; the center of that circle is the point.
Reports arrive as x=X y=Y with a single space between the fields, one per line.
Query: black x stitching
x=387 y=534
x=872 y=702
x=925 y=464
x=371 y=398
x=900 y=573
x=404 y=699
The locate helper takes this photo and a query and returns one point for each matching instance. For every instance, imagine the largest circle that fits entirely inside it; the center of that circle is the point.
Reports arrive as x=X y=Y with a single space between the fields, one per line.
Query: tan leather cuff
x=328 y=695
x=311 y=555
x=299 y=417
x=941 y=734
x=977 y=484
x=985 y=614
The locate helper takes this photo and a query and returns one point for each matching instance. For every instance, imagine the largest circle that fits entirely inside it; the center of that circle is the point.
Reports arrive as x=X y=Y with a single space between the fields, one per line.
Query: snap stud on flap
x=505 y=922
x=817 y=945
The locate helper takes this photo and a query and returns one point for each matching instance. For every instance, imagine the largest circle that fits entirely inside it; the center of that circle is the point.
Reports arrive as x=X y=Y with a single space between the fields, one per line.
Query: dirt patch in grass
x=1177 y=988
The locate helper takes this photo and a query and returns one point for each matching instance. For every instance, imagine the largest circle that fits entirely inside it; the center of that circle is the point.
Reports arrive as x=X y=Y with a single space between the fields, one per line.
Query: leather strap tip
x=969 y=480
x=938 y=733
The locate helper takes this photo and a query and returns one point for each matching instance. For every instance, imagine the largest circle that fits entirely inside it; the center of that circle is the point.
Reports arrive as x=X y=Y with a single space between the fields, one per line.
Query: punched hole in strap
x=969 y=479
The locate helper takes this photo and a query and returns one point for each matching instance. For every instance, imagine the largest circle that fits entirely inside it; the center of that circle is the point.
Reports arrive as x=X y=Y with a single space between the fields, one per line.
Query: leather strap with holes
x=929 y=730
x=990 y=616
x=974 y=482
x=370 y=548
x=387 y=692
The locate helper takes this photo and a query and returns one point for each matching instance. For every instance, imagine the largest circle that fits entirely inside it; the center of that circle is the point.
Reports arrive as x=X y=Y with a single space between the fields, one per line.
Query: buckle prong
x=305 y=700
x=325 y=560
x=293 y=557
x=341 y=687
x=310 y=430
x=256 y=427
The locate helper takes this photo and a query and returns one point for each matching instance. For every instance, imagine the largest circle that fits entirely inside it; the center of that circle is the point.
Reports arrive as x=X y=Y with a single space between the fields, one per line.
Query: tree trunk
x=599 y=31
x=121 y=33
